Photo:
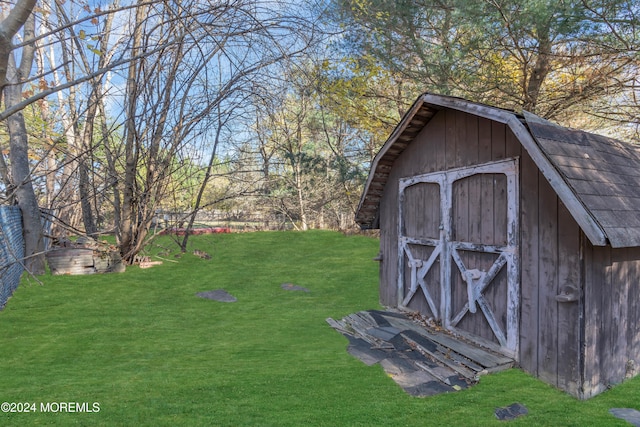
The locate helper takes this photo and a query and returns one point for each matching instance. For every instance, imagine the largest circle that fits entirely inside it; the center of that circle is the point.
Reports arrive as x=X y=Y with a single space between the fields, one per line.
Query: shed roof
x=597 y=178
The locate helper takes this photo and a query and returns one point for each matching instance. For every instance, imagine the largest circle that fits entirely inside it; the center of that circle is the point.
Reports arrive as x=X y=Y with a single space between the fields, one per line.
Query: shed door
x=458 y=250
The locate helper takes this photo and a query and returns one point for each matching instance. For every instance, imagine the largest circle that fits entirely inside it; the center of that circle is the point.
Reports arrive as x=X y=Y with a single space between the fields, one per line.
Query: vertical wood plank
x=460 y=233
x=486 y=181
x=460 y=225
x=633 y=314
x=548 y=279
x=445 y=256
x=498 y=141
x=450 y=139
x=596 y=265
x=590 y=376
x=568 y=313
x=513 y=266
x=475 y=182
x=437 y=142
x=484 y=140
x=529 y=327
x=499 y=135
x=500 y=210
x=389 y=239
x=513 y=148
x=386 y=293
x=618 y=322
x=463 y=149
x=604 y=342
x=440 y=152
x=401 y=261
x=487 y=204
x=475 y=220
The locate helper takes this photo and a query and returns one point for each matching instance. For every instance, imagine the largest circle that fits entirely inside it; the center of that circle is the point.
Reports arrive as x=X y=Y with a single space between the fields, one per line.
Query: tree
x=9 y=27
x=211 y=58
x=197 y=204
x=547 y=57
x=183 y=63
x=286 y=134
x=620 y=21
x=419 y=40
x=365 y=97
x=311 y=158
x=12 y=77
x=94 y=111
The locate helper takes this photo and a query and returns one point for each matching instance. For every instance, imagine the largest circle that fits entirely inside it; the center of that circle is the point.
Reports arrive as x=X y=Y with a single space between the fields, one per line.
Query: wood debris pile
x=146 y=262
x=201 y=254
x=84 y=256
x=420 y=356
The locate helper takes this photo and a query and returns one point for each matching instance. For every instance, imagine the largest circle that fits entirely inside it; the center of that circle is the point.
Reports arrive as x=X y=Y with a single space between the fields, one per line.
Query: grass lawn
x=149 y=352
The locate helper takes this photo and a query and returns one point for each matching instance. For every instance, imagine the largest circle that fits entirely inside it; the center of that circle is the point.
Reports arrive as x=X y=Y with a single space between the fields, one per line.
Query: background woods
x=118 y=112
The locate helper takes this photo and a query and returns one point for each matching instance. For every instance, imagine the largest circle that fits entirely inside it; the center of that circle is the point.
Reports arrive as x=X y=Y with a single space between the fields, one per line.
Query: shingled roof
x=596 y=177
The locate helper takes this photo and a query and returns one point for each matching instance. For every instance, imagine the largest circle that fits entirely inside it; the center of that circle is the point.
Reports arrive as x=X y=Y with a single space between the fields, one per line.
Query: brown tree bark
x=538 y=74
x=127 y=243
x=19 y=155
x=9 y=27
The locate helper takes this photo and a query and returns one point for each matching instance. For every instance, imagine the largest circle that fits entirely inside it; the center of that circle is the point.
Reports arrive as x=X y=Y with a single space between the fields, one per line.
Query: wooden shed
x=515 y=233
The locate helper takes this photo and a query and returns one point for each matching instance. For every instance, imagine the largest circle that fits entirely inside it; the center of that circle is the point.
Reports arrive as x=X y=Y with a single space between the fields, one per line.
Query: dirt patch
x=292 y=287
x=217 y=295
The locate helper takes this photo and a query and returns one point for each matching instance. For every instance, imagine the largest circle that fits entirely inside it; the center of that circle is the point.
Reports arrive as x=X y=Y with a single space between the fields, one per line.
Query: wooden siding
x=612 y=315
x=402 y=135
x=550 y=238
x=559 y=268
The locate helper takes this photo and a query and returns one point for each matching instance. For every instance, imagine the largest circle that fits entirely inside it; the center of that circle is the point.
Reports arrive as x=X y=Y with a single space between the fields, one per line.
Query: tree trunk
x=19 y=156
x=9 y=27
x=67 y=197
x=129 y=211
x=84 y=188
x=300 y=193
x=84 y=178
x=112 y=174
x=45 y=136
x=6 y=179
x=203 y=185
x=539 y=73
x=21 y=175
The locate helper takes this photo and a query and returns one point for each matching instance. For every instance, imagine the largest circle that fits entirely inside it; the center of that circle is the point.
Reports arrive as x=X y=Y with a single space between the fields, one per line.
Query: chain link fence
x=11 y=251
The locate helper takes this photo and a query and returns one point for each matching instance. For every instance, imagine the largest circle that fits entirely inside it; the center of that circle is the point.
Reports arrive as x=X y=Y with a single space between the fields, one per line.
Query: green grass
x=151 y=353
